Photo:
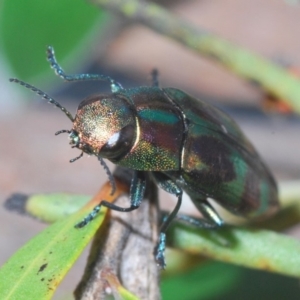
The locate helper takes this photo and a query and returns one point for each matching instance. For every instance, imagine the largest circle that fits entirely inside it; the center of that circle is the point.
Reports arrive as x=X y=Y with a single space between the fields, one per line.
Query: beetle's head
x=104 y=126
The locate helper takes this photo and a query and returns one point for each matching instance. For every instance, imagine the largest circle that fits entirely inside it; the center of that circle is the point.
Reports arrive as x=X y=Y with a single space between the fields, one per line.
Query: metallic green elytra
x=185 y=145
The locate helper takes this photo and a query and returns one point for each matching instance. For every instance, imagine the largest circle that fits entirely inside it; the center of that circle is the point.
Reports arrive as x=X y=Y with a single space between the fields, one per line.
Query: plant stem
x=272 y=78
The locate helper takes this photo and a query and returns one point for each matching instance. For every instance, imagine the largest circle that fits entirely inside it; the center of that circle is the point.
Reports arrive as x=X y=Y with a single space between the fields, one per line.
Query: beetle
x=184 y=143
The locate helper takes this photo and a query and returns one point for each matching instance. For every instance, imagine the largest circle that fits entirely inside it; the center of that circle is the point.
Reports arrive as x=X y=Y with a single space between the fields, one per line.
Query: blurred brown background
x=33 y=160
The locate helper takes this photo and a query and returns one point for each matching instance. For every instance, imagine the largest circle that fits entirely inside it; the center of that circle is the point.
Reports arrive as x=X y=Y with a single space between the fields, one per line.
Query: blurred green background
x=27 y=27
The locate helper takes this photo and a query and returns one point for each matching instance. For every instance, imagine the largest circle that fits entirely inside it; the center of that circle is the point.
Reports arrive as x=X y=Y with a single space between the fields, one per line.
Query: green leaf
x=53 y=207
x=216 y=280
x=117 y=289
x=27 y=27
x=35 y=271
x=202 y=282
x=260 y=249
x=126 y=295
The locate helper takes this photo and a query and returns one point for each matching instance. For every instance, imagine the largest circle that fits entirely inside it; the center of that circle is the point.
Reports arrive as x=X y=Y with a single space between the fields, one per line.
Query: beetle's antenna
x=110 y=176
x=114 y=85
x=44 y=96
x=76 y=158
x=62 y=131
x=154 y=75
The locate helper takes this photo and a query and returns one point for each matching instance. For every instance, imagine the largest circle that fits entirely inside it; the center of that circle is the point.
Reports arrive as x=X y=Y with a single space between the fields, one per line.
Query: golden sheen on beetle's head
x=104 y=125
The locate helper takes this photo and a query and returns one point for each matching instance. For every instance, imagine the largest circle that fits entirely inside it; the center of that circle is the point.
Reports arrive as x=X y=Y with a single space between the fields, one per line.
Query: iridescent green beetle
x=184 y=143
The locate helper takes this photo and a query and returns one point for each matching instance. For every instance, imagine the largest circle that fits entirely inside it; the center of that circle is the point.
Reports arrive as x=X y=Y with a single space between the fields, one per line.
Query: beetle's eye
x=74 y=138
x=119 y=144
x=113 y=140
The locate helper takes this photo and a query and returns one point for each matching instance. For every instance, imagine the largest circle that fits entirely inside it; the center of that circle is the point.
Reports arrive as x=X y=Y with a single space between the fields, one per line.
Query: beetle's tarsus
x=160 y=251
x=95 y=211
x=89 y=217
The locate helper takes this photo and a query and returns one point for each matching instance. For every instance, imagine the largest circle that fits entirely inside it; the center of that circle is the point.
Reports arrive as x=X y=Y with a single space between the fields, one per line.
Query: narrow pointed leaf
x=35 y=271
x=260 y=249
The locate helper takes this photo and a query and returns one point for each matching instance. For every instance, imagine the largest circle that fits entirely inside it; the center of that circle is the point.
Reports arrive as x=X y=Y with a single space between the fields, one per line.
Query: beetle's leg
x=137 y=190
x=154 y=75
x=211 y=218
x=171 y=187
x=115 y=86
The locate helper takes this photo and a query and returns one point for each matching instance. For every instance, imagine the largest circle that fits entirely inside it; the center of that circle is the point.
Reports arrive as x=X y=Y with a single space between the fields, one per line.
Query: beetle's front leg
x=137 y=191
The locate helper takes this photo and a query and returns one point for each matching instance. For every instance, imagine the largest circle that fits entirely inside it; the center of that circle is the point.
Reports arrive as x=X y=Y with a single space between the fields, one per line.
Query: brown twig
x=124 y=247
